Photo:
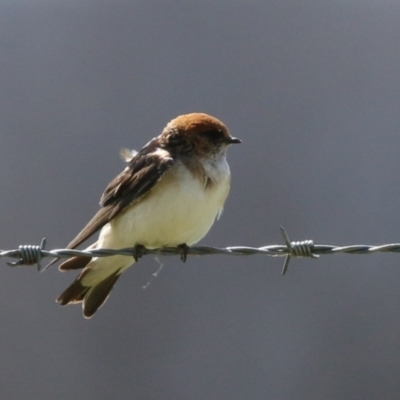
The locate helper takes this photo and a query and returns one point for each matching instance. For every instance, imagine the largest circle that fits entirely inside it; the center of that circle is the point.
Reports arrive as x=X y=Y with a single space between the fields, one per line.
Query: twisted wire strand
x=30 y=255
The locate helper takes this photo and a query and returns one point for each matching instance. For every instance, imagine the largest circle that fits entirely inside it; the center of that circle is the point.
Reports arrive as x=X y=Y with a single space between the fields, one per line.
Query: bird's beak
x=233 y=140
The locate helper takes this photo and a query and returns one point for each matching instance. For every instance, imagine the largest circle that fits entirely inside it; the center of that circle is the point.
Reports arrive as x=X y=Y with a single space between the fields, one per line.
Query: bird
x=169 y=194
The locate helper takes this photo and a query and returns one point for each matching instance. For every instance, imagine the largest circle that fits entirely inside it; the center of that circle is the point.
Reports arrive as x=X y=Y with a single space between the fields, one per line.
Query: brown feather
x=73 y=263
x=74 y=293
x=78 y=262
x=143 y=172
x=127 y=187
x=94 y=225
x=93 y=297
x=98 y=294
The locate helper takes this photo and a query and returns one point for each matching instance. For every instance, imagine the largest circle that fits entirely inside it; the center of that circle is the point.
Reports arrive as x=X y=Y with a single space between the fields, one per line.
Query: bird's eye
x=215 y=135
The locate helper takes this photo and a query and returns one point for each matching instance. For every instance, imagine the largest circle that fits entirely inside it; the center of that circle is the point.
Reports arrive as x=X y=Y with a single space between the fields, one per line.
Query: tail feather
x=74 y=293
x=78 y=262
x=98 y=294
x=93 y=297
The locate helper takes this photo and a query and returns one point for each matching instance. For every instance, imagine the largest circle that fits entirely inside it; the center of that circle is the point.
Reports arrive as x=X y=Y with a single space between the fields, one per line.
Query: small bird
x=170 y=194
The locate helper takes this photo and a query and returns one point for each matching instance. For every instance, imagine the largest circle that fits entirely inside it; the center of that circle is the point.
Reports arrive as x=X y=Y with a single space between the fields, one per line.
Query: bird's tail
x=92 y=297
x=94 y=284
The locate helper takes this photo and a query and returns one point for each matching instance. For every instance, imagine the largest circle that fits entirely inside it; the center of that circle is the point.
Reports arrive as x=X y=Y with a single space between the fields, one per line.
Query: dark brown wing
x=141 y=174
x=144 y=170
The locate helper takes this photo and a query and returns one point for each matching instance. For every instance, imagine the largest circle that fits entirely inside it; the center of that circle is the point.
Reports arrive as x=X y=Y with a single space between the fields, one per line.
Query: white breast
x=179 y=209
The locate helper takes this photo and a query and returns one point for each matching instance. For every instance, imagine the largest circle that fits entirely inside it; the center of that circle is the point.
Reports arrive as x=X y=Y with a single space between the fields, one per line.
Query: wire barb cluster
x=31 y=255
x=28 y=255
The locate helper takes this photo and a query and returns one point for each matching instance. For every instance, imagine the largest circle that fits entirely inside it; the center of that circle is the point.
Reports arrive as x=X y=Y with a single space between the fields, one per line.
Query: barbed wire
x=31 y=255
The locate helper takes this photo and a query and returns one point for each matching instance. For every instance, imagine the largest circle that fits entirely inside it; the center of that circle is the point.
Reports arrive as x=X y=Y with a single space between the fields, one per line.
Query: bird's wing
x=144 y=170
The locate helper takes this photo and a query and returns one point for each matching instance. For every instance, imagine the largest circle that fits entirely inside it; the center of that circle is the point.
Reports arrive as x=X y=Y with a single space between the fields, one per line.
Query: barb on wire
x=30 y=255
x=296 y=249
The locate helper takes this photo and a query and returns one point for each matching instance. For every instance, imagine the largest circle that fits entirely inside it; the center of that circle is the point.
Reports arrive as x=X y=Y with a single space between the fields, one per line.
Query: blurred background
x=313 y=90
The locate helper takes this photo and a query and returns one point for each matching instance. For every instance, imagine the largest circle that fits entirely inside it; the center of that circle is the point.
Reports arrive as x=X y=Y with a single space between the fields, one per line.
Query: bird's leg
x=138 y=251
x=183 y=251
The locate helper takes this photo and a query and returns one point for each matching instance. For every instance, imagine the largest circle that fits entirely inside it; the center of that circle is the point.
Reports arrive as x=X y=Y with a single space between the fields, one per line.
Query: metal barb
x=289 y=249
x=29 y=255
x=296 y=249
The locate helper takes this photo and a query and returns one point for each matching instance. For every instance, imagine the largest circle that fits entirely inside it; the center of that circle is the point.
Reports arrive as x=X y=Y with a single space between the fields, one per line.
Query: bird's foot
x=183 y=251
x=138 y=251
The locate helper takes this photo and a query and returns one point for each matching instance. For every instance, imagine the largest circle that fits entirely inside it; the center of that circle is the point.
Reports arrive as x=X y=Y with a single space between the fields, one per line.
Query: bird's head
x=197 y=133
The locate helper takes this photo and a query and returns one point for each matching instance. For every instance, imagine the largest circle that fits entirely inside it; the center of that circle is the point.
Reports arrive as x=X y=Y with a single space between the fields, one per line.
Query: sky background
x=313 y=90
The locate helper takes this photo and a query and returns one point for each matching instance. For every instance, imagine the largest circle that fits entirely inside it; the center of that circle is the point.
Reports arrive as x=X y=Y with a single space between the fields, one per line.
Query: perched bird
x=170 y=194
